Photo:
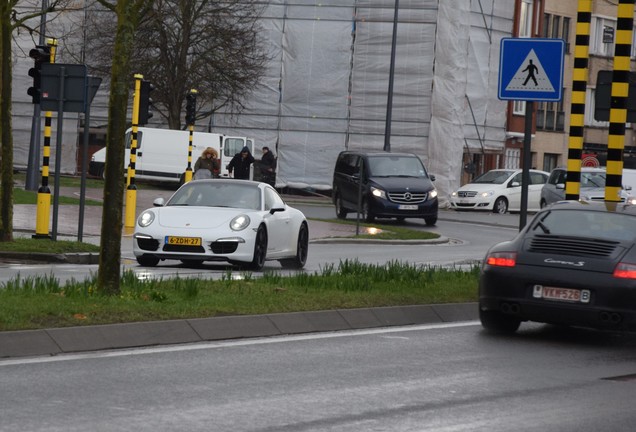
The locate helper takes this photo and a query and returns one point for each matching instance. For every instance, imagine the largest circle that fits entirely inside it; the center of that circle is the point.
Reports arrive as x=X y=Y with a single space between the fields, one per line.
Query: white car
x=237 y=221
x=499 y=191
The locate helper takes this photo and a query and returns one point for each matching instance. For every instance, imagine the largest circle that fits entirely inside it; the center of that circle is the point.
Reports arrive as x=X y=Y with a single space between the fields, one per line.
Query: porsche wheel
x=260 y=249
x=147 y=260
x=302 y=249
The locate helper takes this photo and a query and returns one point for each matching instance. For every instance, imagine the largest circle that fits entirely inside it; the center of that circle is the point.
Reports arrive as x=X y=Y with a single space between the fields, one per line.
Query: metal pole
x=527 y=156
x=389 y=104
x=33 y=161
x=87 y=117
x=58 y=152
x=361 y=173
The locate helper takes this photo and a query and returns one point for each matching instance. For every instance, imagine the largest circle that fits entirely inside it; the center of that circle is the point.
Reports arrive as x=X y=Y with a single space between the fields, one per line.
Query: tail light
x=502 y=259
x=625 y=271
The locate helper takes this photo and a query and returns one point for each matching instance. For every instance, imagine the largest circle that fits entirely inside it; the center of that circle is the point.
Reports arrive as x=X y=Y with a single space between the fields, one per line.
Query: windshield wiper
x=540 y=224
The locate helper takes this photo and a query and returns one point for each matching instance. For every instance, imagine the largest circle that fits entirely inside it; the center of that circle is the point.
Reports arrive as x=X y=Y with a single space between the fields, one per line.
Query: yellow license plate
x=183 y=241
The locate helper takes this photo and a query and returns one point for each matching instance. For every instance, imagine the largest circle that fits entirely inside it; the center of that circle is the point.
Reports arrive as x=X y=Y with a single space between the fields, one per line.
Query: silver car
x=592 y=186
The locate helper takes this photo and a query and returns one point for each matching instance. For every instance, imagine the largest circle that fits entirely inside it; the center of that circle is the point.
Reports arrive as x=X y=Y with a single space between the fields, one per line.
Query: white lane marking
x=232 y=343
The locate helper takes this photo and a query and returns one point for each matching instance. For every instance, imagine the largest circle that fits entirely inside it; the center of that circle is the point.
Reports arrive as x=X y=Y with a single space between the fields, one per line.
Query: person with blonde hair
x=208 y=165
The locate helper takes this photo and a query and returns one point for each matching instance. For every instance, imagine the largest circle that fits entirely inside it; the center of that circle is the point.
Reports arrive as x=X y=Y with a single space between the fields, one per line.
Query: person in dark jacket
x=240 y=164
x=268 y=167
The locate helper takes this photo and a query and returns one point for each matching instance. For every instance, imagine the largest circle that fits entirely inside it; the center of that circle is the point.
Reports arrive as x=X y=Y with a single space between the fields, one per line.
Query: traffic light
x=40 y=54
x=603 y=96
x=145 y=103
x=191 y=107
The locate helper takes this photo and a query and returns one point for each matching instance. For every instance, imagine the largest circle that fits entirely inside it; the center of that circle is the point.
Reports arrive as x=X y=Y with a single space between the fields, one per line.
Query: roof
x=603 y=206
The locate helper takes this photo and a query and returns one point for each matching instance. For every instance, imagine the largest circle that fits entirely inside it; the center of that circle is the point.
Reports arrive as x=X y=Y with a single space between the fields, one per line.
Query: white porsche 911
x=237 y=221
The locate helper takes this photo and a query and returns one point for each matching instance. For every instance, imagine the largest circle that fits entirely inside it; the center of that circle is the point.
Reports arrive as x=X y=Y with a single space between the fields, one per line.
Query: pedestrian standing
x=240 y=164
x=208 y=165
x=268 y=167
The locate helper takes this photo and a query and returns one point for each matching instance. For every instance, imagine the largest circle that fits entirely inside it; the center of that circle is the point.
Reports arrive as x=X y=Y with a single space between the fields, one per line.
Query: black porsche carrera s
x=573 y=264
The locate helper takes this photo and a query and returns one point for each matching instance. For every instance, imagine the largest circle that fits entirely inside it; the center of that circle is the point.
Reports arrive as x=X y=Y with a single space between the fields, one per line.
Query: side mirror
x=514 y=184
x=277 y=209
x=560 y=186
x=159 y=202
x=432 y=177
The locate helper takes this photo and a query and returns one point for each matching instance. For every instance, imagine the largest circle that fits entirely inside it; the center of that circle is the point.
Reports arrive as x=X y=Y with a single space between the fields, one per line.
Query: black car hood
x=413 y=184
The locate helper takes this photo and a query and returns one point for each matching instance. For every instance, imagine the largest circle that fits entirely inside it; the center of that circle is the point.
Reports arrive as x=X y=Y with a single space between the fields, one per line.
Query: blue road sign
x=531 y=69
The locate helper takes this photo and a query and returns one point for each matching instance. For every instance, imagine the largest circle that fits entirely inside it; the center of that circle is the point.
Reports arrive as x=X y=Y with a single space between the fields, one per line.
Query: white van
x=162 y=154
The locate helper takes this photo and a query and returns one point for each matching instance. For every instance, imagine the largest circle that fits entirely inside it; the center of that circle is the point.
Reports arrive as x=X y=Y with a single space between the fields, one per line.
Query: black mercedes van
x=384 y=185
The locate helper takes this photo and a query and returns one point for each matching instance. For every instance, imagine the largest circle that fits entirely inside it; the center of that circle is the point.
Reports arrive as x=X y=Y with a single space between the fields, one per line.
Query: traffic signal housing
x=191 y=107
x=40 y=54
x=145 y=103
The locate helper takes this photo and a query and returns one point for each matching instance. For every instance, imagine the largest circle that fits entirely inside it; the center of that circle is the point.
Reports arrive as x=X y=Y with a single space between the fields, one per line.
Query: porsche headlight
x=145 y=219
x=378 y=192
x=240 y=222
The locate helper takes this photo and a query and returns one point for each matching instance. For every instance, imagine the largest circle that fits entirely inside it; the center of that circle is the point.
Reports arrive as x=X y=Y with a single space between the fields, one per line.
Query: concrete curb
x=93 y=258
x=62 y=258
x=343 y=240
x=14 y=344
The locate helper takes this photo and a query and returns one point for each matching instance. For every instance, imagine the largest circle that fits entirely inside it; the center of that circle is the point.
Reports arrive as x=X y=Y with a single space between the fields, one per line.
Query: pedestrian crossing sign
x=531 y=69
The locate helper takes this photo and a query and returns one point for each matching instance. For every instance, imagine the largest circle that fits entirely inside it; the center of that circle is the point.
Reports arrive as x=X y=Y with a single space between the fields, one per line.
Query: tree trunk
x=108 y=279
x=6 y=128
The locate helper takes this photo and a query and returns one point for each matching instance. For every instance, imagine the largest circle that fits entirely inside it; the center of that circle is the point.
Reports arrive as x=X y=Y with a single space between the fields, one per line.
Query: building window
x=519 y=107
x=551 y=116
x=547 y=19
x=565 y=34
x=557 y=27
x=590 y=106
x=525 y=18
x=550 y=161
x=513 y=156
x=602 y=35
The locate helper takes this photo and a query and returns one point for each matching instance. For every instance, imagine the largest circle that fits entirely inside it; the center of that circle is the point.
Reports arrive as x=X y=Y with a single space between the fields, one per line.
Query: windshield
x=217 y=194
x=593 y=180
x=613 y=226
x=393 y=166
x=494 y=177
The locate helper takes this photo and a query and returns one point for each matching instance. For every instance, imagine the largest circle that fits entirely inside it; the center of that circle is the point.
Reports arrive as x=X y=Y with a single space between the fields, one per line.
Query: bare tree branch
x=211 y=45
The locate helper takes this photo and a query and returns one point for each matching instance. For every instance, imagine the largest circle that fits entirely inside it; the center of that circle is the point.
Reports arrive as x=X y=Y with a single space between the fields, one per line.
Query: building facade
x=551 y=120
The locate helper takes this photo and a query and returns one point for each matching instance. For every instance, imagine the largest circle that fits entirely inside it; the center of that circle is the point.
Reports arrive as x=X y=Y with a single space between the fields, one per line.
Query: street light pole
x=389 y=104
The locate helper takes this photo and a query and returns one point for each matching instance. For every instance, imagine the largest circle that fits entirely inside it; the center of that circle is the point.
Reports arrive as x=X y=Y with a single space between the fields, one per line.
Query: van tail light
x=625 y=271
x=502 y=259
